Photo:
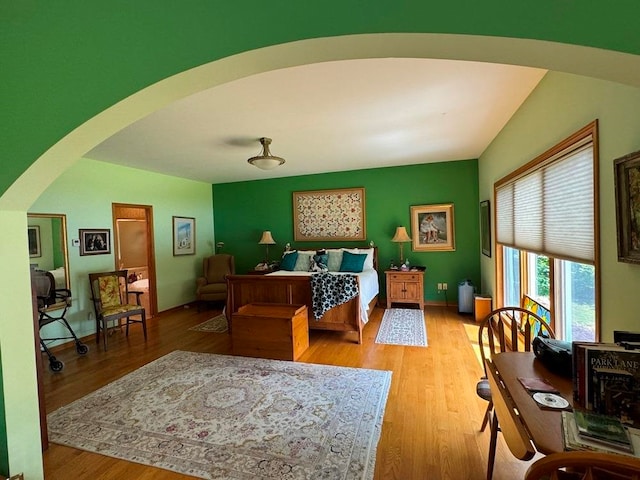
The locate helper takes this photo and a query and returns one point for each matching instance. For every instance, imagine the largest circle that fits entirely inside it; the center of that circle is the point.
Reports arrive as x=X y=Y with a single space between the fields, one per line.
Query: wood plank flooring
x=431 y=422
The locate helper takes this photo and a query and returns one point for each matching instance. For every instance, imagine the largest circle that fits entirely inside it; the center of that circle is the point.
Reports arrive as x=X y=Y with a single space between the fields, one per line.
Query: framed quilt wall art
x=329 y=215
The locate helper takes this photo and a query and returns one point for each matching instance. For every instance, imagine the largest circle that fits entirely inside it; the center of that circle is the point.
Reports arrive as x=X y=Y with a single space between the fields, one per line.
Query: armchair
x=212 y=285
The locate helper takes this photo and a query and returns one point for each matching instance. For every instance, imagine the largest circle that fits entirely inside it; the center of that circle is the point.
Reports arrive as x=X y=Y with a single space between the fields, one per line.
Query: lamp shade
x=266 y=161
x=401 y=235
x=267 y=239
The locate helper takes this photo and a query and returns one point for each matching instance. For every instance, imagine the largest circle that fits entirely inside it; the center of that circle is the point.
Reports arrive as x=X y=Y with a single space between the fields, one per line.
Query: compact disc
x=550 y=400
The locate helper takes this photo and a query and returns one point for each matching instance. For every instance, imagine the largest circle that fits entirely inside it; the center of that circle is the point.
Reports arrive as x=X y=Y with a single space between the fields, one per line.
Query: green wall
x=244 y=209
x=51 y=50
x=56 y=234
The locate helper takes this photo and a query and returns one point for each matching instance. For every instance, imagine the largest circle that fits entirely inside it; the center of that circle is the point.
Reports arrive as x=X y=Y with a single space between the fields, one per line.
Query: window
x=511 y=276
x=546 y=235
x=577 y=305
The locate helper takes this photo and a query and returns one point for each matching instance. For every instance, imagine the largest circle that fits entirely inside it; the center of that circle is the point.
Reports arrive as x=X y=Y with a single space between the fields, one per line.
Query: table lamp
x=401 y=237
x=267 y=240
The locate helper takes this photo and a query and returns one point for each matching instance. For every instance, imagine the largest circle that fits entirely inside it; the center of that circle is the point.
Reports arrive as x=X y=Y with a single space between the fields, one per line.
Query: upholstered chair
x=212 y=286
x=112 y=301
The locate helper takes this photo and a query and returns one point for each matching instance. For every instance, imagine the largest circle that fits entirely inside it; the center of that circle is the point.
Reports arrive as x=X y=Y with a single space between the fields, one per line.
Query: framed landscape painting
x=432 y=228
x=184 y=236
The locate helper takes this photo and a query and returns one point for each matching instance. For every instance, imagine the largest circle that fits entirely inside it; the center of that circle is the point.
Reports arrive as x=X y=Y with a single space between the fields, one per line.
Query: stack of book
x=593 y=431
x=606 y=380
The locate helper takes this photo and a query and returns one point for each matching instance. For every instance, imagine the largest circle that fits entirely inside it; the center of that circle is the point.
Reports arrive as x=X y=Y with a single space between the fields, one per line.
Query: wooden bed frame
x=295 y=290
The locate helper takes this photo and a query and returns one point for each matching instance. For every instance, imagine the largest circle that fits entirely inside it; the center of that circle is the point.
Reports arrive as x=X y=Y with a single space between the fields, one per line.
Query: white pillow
x=304 y=260
x=368 y=262
x=335 y=259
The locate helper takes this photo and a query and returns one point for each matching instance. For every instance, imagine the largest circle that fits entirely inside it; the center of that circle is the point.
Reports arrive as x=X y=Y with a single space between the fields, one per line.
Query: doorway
x=134 y=250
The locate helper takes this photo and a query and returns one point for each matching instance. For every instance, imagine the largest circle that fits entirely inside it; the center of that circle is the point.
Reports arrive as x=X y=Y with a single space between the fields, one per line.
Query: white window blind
x=549 y=209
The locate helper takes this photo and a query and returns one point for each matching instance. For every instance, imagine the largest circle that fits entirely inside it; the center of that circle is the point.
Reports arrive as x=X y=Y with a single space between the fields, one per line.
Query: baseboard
x=71 y=344
x=427 y=303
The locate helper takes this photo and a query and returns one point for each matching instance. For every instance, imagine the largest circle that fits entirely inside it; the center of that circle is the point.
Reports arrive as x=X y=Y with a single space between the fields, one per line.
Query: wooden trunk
x=269 y=330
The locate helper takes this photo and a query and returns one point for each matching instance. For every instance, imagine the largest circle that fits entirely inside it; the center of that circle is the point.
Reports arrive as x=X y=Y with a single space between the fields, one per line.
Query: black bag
x=554 y=354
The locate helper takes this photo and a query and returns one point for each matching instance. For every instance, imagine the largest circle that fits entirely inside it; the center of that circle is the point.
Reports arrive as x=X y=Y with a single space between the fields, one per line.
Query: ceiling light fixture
x=266 y=161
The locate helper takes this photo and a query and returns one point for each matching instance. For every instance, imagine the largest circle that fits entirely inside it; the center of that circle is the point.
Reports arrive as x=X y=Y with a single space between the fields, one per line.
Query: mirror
x=47 y=234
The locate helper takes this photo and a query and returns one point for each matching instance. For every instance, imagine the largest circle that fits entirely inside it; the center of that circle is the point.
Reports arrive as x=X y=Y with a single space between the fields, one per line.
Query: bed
x=60 y=277
x=294 y=287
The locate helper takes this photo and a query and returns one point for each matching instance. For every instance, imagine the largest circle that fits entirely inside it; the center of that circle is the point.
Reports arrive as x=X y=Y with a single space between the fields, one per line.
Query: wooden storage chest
x=270 y=330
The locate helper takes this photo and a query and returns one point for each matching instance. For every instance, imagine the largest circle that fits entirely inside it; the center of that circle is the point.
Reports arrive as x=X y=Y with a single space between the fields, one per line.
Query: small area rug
x=225 y=417
x=216 y=324
x=403 y=326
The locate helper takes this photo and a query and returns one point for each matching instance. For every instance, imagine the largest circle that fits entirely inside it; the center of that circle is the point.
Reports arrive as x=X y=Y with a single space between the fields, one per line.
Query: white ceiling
x=326 y=117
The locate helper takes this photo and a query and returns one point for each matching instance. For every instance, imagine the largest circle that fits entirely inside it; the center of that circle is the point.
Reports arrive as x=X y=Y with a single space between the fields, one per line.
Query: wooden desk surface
x=544 y=426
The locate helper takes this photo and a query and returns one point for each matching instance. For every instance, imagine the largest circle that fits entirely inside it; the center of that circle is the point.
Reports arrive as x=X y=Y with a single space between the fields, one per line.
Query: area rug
x=216 y=324
x=225 y=417
x=402 y=326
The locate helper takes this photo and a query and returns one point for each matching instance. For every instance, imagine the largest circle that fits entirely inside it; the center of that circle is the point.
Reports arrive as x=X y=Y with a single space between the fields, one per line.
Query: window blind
x=549 y=209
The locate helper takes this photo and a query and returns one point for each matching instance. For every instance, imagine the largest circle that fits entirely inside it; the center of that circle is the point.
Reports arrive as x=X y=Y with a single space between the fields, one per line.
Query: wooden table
x=544 y=425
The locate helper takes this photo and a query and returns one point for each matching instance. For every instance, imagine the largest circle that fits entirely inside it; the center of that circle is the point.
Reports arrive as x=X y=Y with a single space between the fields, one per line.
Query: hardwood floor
x=431 y=422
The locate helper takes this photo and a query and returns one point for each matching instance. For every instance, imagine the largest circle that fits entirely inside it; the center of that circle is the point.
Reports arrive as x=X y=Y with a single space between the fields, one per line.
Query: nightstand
x=405 y=287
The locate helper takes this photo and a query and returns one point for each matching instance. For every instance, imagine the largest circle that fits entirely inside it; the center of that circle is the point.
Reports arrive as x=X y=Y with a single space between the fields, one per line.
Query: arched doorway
x=18 y=197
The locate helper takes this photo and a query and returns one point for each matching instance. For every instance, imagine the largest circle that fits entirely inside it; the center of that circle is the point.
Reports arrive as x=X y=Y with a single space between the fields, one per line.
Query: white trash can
x=465 y=296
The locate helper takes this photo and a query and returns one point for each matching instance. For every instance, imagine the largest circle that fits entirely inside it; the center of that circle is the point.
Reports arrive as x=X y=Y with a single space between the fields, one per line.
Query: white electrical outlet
x=444 y=286
x=439 y=286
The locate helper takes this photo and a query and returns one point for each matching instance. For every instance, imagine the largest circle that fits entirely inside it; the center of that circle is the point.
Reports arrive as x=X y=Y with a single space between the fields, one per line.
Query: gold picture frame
x=432 y=228
x=320 y=215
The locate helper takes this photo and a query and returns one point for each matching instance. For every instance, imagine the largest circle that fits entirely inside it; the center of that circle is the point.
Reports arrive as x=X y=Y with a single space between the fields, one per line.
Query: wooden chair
x=506 y=329
x=585 y=465
x=506 y=420
x=110 y=294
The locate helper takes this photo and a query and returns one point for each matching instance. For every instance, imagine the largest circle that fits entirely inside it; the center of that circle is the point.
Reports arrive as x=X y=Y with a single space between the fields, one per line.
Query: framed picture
x=627 y=191
x=485 y=227
x=329 y=215
x=33 y=234
x=95 y=241
x=432 y=228
x=184 y=236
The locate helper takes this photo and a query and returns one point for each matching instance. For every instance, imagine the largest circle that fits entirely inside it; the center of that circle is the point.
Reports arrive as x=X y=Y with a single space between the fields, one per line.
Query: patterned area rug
x=216 y=324
x=225 y=417
x=403 y=326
